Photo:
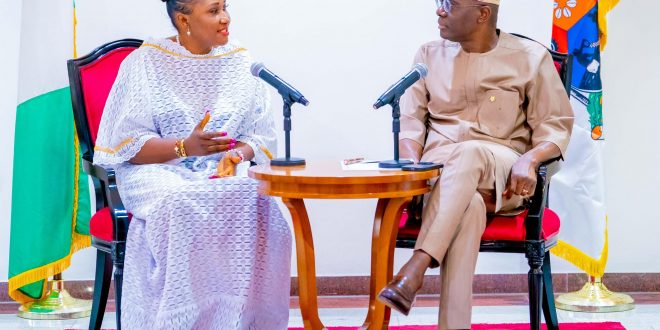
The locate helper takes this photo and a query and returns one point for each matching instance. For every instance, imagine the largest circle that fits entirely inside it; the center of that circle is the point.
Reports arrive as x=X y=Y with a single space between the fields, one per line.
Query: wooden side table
x=327 y=180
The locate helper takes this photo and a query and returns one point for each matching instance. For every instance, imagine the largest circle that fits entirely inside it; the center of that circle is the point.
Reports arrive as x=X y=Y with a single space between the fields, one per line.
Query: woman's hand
x=201 y=143
x=227 y=165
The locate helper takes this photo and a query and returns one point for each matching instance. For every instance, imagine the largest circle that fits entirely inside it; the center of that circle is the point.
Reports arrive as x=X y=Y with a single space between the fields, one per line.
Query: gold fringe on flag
x=593 y=267
x=604 y=7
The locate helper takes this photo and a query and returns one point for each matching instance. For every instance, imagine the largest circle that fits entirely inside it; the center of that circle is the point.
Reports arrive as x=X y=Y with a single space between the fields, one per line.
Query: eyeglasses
x=448 y=5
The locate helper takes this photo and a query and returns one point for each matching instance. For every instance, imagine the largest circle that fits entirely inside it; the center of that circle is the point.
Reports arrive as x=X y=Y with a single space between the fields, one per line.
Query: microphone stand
x=396 y=128
x=288 y=160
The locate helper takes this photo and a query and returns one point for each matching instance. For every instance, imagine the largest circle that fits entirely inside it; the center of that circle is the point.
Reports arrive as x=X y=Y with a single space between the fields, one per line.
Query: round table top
x=331 y=172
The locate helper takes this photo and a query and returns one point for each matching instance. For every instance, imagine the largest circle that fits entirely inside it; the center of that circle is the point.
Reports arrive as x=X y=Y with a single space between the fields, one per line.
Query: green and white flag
x=50 y=194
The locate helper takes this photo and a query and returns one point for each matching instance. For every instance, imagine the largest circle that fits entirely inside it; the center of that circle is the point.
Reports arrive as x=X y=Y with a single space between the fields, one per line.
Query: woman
x=201 y=253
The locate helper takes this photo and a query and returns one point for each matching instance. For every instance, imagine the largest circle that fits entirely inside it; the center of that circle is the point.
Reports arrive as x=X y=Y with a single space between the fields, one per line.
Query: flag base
x=58 y=305
x=595 y=297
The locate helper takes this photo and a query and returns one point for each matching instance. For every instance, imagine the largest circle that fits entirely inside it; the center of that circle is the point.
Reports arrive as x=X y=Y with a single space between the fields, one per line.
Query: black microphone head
x=422 y=69
x=256 y=68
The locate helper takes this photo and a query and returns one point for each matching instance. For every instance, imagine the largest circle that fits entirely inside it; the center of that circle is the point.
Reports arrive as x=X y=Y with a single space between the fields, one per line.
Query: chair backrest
x=91 y=78
x=563 y=63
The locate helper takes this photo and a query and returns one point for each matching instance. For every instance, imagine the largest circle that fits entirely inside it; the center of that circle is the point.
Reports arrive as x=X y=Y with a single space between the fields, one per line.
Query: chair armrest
x=96 y=171
x=552 y=165
x=109 y=180
x=99 y=185
x=537 y=204
x=110 y=193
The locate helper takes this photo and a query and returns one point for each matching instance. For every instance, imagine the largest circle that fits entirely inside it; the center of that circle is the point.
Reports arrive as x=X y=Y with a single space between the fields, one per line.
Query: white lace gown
x=201 y=253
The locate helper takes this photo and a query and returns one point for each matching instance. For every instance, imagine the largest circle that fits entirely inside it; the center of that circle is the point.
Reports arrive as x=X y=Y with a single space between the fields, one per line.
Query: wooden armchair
x=91 y=77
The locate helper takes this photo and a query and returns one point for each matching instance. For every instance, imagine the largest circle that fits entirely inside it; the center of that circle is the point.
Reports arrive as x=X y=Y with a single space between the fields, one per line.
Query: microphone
x=287 y=91
x=419 y=71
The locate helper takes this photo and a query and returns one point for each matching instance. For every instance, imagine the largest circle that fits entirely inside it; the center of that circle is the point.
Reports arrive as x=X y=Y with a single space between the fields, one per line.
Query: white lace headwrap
x=163 y=90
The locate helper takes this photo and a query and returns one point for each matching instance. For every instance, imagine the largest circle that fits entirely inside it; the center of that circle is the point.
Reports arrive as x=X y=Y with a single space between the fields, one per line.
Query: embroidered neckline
x=175 y=49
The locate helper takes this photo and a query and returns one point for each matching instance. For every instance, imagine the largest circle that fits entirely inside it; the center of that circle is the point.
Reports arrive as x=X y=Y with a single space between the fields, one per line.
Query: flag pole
x=58 y=305
x=595 y=297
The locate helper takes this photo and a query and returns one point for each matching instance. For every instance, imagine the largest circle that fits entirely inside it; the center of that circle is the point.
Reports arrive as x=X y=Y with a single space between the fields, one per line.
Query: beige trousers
x=454 y=218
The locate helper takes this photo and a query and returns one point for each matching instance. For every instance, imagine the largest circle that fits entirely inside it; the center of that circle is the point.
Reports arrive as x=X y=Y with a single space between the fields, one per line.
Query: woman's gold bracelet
x=180 y=149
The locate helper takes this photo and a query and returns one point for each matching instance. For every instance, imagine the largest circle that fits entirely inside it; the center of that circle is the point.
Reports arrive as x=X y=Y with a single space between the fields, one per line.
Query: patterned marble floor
x=343 y=311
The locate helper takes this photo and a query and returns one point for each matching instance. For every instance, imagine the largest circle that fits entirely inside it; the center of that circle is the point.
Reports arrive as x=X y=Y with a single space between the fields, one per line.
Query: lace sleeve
x=260 y=130
x=127 y=122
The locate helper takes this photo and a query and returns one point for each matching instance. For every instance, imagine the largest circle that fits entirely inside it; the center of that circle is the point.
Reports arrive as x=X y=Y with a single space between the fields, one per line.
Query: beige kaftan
x=481 y=111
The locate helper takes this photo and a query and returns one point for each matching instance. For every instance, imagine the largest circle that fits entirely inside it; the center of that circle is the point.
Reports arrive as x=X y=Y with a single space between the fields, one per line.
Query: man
x=492 y=108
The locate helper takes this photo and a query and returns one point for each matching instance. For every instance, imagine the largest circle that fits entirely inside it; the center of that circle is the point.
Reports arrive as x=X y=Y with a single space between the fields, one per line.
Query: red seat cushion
x=408 y=230
x=100 y=225
x=513 y=228
x=497 y=228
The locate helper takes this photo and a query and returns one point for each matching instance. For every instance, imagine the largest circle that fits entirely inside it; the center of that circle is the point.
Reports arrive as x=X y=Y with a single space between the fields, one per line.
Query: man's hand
x=522 y=180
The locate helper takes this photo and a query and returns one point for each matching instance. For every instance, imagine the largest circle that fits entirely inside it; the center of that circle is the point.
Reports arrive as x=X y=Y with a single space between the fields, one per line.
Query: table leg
x=383 y=240
x=306 y=264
